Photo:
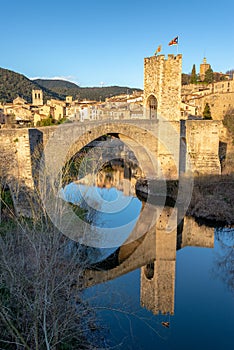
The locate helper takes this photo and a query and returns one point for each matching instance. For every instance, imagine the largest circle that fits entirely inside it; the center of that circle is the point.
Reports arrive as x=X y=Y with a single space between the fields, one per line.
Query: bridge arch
x=142 y=142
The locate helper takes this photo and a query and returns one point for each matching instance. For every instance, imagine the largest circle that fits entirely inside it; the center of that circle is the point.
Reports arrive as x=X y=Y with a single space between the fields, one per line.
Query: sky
x=103 y=43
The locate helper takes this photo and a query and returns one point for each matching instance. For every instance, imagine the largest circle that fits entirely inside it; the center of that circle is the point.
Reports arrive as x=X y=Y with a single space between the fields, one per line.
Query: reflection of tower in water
x=158 y=277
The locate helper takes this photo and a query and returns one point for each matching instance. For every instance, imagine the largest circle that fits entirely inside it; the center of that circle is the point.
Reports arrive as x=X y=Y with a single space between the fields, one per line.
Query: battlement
x=164 y=58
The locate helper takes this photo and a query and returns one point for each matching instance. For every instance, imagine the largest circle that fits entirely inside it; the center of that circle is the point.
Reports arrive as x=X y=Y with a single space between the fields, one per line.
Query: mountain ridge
x=13 y=84
x=77 y=92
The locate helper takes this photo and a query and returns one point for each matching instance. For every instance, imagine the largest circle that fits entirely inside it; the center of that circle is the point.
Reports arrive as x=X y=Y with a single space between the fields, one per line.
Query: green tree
x=207 y=113
x=46 y=122
x=193 y=79
x=209 y=76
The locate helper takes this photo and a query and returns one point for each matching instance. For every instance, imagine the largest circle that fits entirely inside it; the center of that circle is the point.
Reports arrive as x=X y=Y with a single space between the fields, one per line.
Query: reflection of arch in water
x=130 y=256
x=128 y=253
x=141 y=251
x=118 y=257
x=155 y=253
x=125 y=259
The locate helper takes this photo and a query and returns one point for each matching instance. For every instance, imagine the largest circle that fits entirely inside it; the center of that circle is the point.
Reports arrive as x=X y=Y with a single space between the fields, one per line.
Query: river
x=159 y=288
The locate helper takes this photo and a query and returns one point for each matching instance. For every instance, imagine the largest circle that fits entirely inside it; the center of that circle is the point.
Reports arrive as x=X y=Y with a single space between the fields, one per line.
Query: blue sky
x=96 y=41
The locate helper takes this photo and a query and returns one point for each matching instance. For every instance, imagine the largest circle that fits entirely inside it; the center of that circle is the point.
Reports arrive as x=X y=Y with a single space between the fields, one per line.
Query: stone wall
x=220 y=97
x=226 y=151
x=15 y=166
x=202 y=143
x=20 y=154
x=219 y=104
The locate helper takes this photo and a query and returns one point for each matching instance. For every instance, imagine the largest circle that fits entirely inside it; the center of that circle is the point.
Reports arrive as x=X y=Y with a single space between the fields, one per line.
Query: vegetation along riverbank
x=41 y=305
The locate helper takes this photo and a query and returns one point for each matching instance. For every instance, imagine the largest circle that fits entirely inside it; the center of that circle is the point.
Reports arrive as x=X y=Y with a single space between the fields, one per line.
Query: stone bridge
x=164 y=149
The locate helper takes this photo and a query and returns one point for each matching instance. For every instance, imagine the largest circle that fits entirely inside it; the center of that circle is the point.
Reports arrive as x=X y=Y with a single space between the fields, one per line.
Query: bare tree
x=40 y=290
x=225 y=257
x=41 y=273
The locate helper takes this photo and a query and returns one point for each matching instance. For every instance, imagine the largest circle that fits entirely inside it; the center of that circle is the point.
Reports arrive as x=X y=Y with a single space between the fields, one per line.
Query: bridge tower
x=162 y=87
x=162 y=99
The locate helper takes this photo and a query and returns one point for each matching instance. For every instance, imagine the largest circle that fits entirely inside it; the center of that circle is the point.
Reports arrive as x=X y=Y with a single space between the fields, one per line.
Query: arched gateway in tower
x=152 y=106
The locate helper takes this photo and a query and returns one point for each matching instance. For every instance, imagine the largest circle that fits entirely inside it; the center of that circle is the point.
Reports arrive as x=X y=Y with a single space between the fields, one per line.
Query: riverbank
x=212 y=197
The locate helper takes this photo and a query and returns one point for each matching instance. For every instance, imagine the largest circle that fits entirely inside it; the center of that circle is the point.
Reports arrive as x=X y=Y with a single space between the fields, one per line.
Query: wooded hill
x=66 y=88
x=13 y=84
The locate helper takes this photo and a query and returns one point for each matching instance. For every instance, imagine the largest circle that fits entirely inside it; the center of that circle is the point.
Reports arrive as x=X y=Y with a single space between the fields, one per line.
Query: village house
x=81 y=110
x=187 y=110
x=57 y=109
x=219 y=96
x=38 y=117
x=18 y=112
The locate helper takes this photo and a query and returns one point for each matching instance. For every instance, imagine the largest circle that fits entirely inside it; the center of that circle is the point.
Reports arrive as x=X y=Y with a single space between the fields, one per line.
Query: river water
x=165 y=290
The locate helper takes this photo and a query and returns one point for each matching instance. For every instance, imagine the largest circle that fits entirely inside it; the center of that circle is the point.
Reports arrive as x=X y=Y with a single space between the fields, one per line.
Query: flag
x=174 y=41
x=158 y=50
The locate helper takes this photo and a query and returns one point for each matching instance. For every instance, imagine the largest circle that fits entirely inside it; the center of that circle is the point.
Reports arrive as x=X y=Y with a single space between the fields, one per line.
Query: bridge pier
x=16 y=168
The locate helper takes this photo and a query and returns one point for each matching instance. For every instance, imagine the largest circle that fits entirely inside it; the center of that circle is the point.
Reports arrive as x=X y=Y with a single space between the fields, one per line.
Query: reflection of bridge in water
x=155 y=254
